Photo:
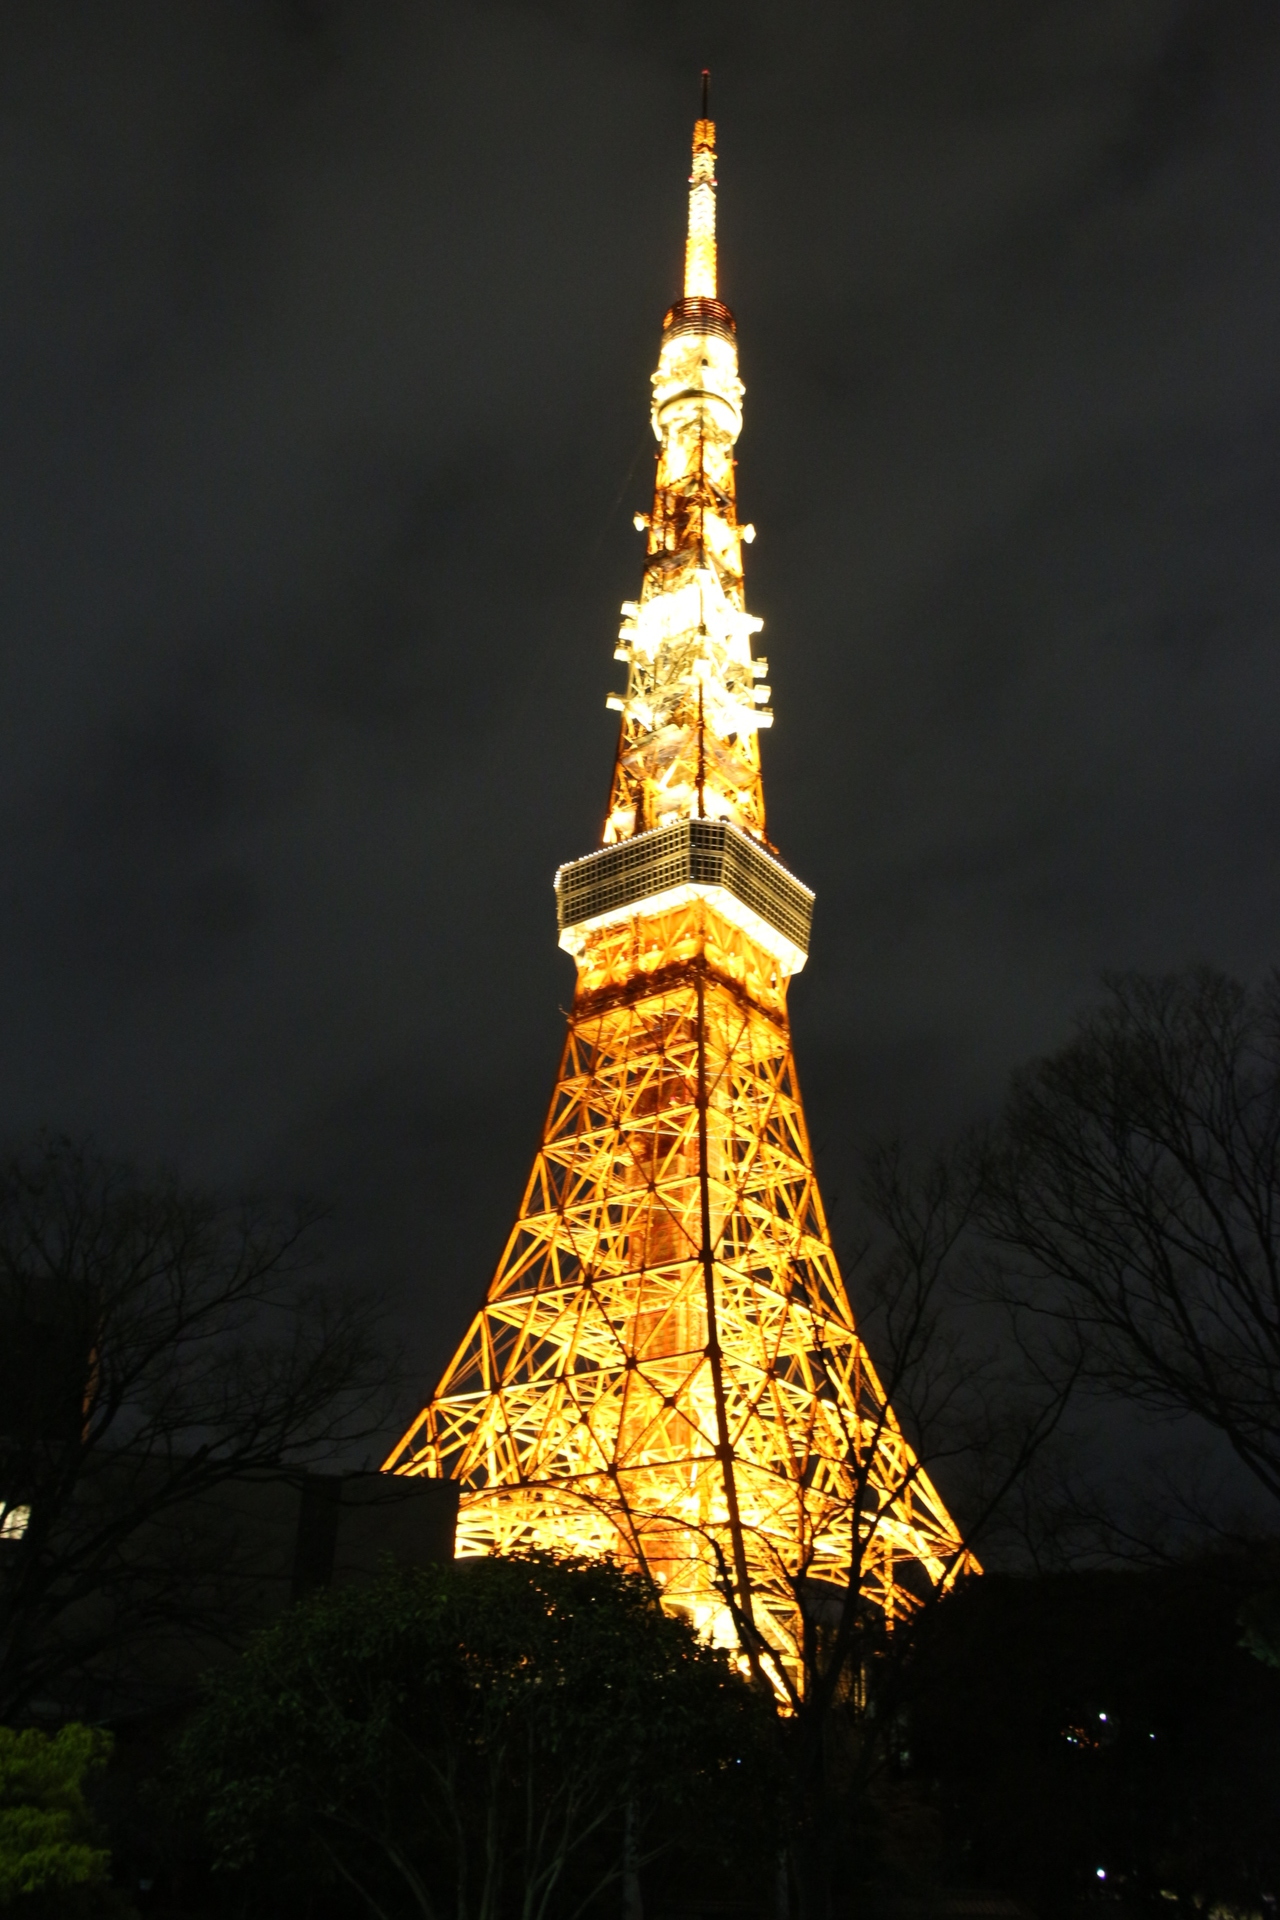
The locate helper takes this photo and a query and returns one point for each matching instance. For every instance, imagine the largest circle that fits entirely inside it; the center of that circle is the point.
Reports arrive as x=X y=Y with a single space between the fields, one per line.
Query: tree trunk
x=632 y=1899
x=782 y=1887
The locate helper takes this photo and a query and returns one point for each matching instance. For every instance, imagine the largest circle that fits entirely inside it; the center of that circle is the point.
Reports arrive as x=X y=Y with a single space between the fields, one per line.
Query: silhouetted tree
x=154 y=1345
x=497 y=1738
x=977 y=1410
x=1134 y=1185
x=959 y=1400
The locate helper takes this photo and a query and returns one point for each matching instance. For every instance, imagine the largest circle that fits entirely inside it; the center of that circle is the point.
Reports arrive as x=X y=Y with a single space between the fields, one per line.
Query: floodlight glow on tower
x=665 y=1366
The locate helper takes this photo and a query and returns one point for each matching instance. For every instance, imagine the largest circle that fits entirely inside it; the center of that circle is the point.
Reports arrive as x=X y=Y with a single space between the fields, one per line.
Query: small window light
x=14 y=1522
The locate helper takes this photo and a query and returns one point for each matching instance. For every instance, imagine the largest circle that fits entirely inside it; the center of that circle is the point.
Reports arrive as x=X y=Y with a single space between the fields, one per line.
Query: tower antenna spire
x=700 y=247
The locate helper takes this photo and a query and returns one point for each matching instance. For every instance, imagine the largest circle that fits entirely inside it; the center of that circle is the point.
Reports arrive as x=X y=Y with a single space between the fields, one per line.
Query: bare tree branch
x=155 y=1343
x=1134 y=1184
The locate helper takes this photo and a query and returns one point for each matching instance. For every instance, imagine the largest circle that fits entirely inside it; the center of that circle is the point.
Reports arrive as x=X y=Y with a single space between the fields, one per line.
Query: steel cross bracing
x=666 y=1366
x=581 y=1410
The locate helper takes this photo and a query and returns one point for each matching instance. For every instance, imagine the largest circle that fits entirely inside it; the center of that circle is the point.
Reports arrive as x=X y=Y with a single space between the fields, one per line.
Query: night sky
x=327 y=333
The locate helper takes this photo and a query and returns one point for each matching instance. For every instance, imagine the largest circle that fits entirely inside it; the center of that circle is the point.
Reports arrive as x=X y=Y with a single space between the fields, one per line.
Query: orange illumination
x=700 y=247
x=666 y=1366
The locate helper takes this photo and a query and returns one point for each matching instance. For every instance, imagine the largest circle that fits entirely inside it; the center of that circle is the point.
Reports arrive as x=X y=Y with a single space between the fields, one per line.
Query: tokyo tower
x=666 y=1366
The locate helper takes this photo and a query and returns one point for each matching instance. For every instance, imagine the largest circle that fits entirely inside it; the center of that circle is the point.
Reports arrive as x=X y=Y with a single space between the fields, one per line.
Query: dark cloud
x=326 y=355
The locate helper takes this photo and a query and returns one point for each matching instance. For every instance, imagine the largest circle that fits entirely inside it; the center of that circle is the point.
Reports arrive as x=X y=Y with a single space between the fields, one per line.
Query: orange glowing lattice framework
x=666 y=1365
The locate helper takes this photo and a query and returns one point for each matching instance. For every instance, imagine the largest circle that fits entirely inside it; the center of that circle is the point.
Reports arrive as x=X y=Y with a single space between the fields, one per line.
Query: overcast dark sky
x=326 y=339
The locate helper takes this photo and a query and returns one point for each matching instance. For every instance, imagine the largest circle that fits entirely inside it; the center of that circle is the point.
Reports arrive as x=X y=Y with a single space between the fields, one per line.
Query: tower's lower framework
x=666 y=1365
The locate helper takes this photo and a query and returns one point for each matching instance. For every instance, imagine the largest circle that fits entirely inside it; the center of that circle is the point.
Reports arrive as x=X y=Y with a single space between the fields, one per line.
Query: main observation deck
x=693 y=859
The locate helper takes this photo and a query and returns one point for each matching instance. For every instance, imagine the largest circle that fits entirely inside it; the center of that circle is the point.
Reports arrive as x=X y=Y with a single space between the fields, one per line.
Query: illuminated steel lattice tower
x=666 y=1365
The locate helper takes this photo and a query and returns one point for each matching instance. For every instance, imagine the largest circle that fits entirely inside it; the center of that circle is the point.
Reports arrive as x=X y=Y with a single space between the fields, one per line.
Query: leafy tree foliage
x=1260 y=1625
x=50 y=1862
x=496 y=1738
